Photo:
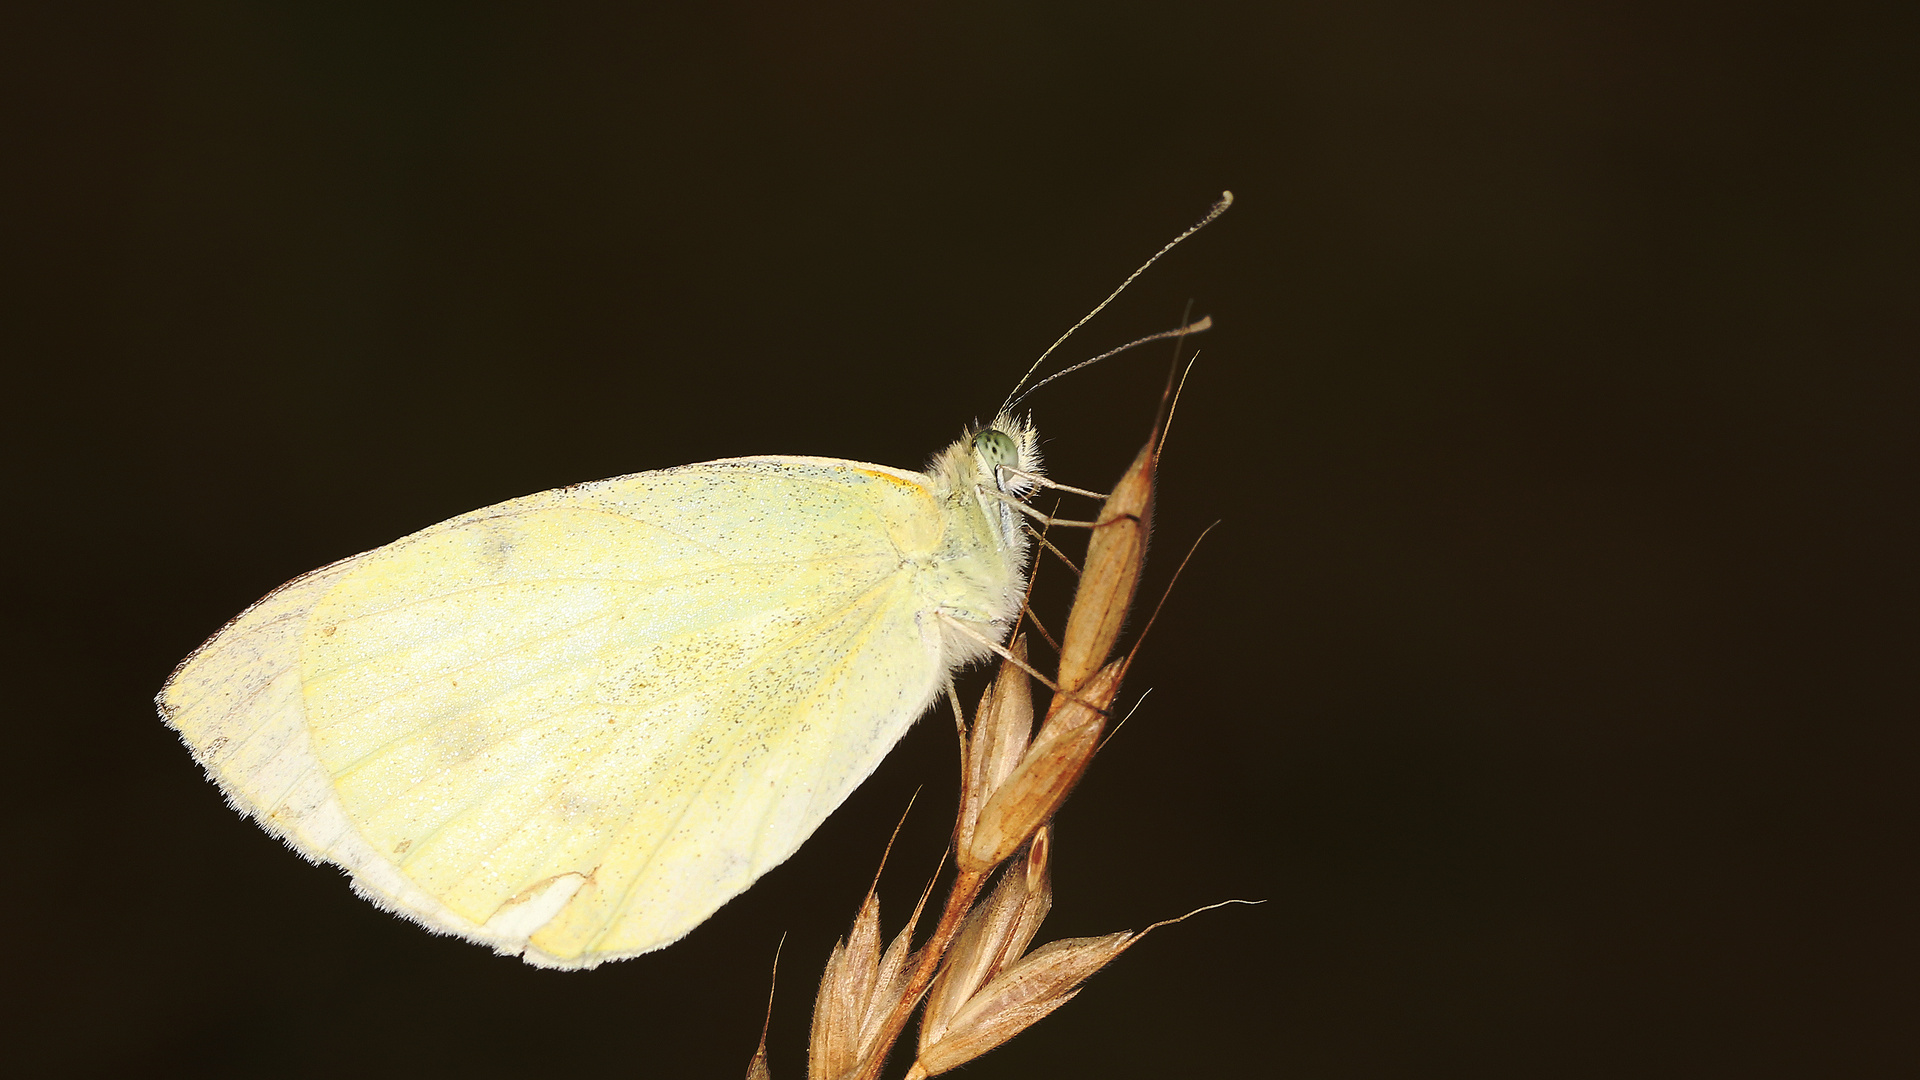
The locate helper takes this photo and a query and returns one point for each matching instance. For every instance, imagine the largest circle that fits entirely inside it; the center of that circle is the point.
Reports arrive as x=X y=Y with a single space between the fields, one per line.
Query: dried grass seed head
x=996 y=932
x=1116 y=554
x=1020 y=996
x=1001 y=730
x=1047 y=773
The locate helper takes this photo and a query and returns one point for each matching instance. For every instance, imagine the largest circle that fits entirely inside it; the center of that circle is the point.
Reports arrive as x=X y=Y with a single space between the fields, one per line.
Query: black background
x=1548 y=673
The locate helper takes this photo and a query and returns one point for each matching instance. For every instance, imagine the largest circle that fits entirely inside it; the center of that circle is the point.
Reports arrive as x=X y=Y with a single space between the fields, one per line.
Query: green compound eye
x=997 y=447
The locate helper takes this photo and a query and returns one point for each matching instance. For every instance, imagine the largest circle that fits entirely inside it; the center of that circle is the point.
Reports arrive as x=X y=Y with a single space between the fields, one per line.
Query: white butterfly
x=572 y=725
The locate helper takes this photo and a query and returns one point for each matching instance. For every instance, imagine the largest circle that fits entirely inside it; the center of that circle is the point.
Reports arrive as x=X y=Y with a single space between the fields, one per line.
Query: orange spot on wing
x=901 y=481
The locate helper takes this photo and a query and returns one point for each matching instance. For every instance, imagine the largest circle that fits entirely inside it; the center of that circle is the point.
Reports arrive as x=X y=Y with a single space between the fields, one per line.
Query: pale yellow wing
x=572 y=725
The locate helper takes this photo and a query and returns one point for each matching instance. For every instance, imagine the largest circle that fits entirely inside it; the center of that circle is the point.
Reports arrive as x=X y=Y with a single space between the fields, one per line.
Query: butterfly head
x=1006 y=453
x=989 y=463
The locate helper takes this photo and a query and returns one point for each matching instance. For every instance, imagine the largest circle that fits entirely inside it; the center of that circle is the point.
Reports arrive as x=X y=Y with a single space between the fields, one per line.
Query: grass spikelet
x=1116 y=554
x=1048 y=771
x=996 y=932
x=1018 y=997
x=1001 y=730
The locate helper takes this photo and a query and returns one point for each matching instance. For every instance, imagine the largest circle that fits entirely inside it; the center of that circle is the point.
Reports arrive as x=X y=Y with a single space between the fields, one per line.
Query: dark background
x=1549 y=673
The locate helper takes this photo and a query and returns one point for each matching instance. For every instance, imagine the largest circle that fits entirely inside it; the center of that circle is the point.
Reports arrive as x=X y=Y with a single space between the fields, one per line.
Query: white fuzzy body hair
x=968 y=479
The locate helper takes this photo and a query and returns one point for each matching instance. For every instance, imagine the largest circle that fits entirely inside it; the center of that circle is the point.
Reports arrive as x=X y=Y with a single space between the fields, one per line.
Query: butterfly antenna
x=1200 y=325
x=1219 y=207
